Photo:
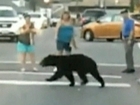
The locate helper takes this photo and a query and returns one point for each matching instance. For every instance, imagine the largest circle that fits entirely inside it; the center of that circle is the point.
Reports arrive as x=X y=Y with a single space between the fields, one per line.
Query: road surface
x=29 y=88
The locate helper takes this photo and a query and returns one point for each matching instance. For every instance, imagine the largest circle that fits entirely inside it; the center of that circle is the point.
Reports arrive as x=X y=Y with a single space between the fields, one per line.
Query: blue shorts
x=63 y=46
x=23 y=48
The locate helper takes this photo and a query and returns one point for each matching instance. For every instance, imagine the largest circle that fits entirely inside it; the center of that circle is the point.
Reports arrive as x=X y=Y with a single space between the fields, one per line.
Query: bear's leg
x=97 y=76
x=83 y=77
x=56 y=76
x=70 y=77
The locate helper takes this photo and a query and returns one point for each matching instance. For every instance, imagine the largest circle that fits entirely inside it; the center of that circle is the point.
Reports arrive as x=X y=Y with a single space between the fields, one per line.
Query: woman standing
x=25 y=45
x=65 y=35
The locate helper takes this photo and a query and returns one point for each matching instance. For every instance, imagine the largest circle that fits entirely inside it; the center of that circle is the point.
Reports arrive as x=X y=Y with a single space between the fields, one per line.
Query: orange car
x=107 y=27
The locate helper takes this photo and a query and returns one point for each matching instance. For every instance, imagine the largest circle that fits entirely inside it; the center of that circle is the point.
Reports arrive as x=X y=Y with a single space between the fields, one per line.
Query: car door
x=101 y=26
x=115 y=27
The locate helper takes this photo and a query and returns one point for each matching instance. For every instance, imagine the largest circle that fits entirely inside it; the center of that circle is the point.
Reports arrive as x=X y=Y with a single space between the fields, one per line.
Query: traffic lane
x=50 y=95
x=40 y=77
x=64 y=95
x=103 y=69
x=10 y=70
x=102 y=52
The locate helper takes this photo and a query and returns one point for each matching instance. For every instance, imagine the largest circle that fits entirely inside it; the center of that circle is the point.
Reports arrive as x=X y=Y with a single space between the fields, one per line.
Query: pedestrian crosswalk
x=37 y=79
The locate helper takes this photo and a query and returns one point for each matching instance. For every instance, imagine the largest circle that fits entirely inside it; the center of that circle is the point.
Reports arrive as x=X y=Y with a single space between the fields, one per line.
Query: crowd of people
x=64 y=36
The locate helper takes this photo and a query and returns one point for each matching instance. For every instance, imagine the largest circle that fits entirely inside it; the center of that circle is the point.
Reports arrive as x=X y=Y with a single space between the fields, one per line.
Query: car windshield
x=8 y=13
x=106 y=18
x=93 y=13
x=35 y=15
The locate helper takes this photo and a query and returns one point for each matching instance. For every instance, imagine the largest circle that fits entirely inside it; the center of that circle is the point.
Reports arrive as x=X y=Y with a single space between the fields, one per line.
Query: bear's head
x=49 y=60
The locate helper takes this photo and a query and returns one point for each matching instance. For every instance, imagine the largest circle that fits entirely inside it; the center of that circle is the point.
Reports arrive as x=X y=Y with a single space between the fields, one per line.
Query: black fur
x=76 y=62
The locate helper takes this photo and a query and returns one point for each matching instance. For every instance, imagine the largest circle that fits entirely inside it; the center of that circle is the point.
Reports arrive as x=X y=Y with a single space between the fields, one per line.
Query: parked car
x=107 y=27
x=91 y=14
x=54 y=20
x=9 y=23
x=39 y=19
x=135 y=16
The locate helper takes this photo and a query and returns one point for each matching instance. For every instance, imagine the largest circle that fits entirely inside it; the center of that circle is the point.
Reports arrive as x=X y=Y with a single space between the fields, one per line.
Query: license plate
x=5 y=32
x=4 y=25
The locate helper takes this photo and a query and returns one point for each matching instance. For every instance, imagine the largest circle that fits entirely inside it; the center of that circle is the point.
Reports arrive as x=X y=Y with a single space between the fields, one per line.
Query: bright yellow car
x=107 y=27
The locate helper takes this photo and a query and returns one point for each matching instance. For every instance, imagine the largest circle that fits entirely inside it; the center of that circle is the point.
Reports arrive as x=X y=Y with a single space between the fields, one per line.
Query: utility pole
x=32 y=4
x=77 y=4
x=102 y=4
x=132 y=5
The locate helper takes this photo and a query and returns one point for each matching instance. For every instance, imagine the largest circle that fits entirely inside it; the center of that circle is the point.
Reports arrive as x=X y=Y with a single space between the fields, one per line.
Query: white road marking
x=49 y=73
x=99 y=64
x=59 y=83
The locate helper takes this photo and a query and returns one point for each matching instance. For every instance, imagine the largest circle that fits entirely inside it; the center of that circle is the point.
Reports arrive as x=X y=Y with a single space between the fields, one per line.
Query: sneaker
x=130 y=71
x=55 y=69
x=125 y=71
x=35 y=69
x=23 y=69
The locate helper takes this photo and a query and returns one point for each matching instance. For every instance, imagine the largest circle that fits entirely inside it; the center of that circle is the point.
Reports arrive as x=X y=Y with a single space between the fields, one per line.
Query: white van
x=9 y=23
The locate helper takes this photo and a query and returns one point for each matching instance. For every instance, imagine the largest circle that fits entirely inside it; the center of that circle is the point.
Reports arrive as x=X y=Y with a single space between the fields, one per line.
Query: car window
x=35 y=15
x=8 y=13
x=117 y=18
x=45 y=15
x=136 y=17
x=56 y=16
x=105 y=19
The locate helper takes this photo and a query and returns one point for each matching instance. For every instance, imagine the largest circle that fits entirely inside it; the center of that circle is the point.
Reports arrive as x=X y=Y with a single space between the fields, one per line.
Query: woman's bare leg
x=22 y=59
x=58 y=53
x=32 y=59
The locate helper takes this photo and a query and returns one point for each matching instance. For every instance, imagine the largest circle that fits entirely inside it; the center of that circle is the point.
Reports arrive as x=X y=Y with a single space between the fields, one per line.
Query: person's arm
x=23 y=30
x=33 y=29
x=74 y=43
x=132 y=26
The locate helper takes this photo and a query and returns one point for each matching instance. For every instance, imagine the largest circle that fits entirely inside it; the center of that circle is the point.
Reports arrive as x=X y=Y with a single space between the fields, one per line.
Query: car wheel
x=121 y=36
x=110 y=40
x=88 y=35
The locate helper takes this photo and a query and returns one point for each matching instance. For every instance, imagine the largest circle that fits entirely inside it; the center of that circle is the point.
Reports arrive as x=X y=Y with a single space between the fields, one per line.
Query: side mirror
x=98 y=21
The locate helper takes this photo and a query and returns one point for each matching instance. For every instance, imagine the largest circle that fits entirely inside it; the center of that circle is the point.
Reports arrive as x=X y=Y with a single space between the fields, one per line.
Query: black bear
x=75 y=62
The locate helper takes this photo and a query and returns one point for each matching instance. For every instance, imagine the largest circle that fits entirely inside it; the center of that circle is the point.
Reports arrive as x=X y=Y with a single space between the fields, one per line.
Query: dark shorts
x=63 y=46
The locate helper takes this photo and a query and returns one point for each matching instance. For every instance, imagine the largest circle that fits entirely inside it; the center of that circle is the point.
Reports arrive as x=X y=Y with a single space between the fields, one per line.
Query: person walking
x=25 y=44
x=128 y=40
x=65 y=35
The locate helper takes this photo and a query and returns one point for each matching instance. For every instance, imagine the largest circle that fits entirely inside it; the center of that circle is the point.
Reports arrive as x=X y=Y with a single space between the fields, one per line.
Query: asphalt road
x=29 y=88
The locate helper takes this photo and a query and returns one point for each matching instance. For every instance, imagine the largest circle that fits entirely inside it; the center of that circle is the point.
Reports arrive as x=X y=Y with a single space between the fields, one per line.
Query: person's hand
x=75 y=47
x=129 y=41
